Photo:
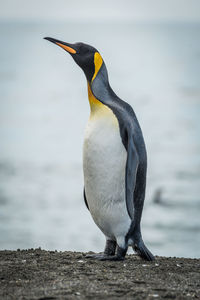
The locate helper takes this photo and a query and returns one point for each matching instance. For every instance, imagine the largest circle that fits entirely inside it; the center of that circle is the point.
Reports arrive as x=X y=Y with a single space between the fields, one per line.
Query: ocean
x=43 y=113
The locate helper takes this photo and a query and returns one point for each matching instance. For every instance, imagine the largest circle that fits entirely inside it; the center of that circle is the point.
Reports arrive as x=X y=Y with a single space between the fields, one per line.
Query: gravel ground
x=40 y=274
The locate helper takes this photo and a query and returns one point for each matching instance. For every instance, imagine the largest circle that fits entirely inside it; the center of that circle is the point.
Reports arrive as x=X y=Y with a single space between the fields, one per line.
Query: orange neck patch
x=94 y=102
x=100 y=110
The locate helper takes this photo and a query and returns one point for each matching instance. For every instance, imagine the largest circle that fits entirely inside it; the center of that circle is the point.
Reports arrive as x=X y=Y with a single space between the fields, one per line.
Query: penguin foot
x=98 y=256
x=112 y=258
x=120 y=255
x=108 y=252
x=103 y=257
x=110 y=247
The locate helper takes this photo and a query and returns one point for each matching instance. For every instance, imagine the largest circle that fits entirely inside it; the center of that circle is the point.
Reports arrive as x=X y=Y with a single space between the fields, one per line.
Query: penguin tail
x=142 y=250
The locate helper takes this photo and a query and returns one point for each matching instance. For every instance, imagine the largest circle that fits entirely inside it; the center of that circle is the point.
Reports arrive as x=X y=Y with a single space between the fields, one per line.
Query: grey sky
x=139 y=10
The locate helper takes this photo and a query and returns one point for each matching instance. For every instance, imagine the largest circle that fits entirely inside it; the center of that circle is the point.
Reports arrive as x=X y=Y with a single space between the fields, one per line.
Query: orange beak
x=65 y=46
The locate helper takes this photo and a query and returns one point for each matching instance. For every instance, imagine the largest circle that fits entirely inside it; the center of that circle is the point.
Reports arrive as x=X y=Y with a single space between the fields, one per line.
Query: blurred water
x=43 y=112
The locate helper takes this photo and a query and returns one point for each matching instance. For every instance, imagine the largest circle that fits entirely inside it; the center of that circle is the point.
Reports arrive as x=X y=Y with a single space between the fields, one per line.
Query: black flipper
x=85 y=198
x=135 y=230
x=142 y=251
x=131 y=172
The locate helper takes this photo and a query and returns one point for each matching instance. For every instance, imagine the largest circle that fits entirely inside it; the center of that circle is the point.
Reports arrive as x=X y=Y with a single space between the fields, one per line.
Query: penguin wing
x=132 y=163
x=85 y=199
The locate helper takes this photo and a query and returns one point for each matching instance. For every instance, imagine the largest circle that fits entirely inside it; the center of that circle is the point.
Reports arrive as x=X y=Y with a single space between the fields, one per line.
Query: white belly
x=104 y=163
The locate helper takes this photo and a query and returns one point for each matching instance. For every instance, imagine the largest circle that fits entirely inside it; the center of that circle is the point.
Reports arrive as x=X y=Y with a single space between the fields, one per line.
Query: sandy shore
x=39 y=274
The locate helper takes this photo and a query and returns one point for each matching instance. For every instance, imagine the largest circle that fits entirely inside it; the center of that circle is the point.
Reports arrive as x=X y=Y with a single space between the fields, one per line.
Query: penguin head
x=86 y=56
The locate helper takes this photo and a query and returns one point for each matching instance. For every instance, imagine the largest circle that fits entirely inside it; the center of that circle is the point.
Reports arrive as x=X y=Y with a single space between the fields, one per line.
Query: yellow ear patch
x=97 y=63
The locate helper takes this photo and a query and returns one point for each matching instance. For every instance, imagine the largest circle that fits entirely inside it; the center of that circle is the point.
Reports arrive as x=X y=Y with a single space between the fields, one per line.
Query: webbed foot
x=98 y=256
x=120 y=255
x=108 y=252
x=112 y=258
x=103 y=257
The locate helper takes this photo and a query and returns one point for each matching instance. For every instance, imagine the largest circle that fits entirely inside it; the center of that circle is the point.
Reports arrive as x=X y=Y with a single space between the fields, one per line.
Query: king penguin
x=114 y=159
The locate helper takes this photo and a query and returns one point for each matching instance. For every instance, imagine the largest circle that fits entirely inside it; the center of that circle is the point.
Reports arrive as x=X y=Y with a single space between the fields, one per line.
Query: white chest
x=104 y=163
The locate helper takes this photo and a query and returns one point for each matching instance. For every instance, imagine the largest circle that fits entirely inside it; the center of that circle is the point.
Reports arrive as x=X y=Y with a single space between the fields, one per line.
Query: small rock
x=77 y=293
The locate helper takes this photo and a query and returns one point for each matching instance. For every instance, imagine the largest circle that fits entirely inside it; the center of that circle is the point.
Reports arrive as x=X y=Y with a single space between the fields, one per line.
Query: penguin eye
x=83 y=48
x=80 y=48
